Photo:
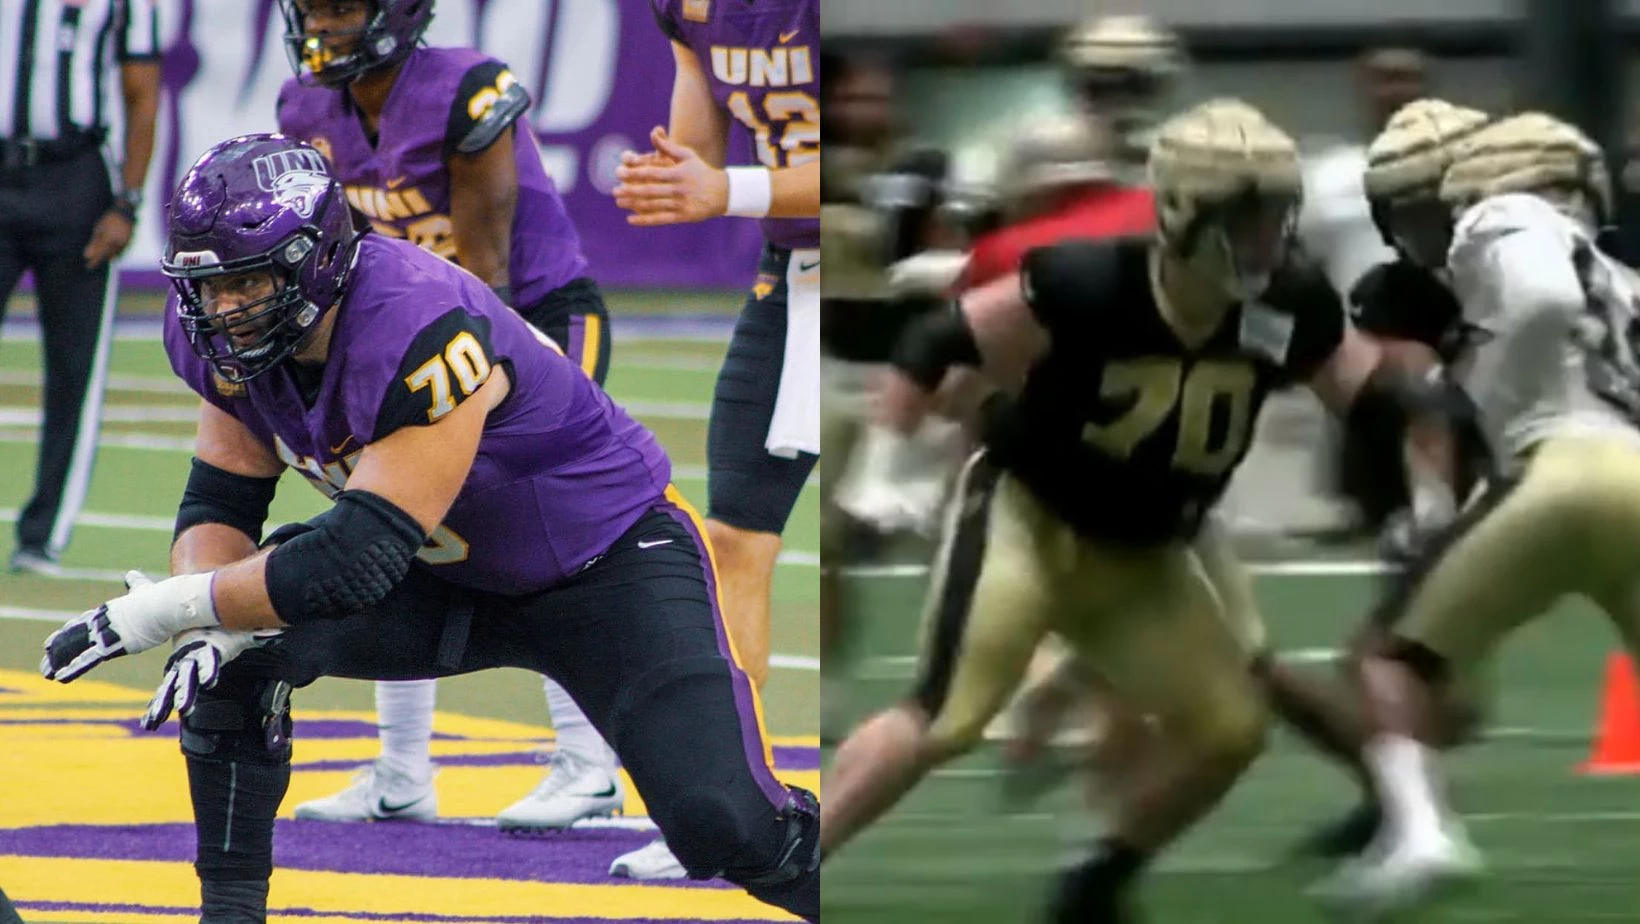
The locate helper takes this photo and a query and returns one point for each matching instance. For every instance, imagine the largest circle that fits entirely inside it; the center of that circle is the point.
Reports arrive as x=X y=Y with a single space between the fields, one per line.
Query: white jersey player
x=1552 y=375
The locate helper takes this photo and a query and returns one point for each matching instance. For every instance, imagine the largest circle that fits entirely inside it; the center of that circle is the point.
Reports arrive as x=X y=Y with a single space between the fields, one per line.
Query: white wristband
x=751 y=191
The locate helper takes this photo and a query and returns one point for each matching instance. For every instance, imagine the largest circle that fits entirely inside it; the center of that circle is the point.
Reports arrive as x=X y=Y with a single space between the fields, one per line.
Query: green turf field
x=1562 y=847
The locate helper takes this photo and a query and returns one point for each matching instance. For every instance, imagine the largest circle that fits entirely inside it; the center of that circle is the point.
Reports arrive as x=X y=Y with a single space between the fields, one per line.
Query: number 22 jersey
x=763 y=60
x=1123 y=430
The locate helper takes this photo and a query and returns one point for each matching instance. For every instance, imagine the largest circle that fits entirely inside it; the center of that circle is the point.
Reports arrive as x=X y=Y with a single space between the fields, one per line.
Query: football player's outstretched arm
x=413 y=472
x=227 y=496
x=483 y=198
x=1358 y=381
x=993 y=327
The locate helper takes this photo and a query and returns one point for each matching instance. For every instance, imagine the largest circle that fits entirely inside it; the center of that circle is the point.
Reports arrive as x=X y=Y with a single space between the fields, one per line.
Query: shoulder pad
x=488 y=102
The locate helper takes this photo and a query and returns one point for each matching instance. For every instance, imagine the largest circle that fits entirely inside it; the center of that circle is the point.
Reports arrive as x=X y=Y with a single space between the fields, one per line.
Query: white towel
x=795 y=427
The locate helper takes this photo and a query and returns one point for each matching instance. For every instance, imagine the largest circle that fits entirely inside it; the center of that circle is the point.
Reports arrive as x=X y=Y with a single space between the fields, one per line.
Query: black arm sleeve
x=933 y=343
x=214 y=495
x=1065 y=283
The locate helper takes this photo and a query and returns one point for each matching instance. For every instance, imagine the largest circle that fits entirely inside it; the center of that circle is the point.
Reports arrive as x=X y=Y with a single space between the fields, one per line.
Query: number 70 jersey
x=1124 y=431
x=763 y=60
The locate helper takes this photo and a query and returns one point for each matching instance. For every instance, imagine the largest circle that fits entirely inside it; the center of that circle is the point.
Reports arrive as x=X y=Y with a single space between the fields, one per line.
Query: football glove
x=195 y=664
x=149 y=615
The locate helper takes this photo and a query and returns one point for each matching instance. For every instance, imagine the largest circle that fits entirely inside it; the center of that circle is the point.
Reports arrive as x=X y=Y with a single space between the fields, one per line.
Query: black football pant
x=635 y=637
x=47 y=212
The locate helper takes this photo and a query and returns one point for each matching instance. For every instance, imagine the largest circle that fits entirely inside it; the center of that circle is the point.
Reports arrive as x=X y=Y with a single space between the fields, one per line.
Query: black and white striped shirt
x=59 y=61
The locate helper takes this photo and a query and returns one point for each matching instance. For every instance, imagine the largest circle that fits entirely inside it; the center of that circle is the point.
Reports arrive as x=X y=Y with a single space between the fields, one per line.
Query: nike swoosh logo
x=395 y=184
x=611 y=790
x=805 y=267
x=788 y=36
x=649 y=544
x=385 y=809
x=337 y=449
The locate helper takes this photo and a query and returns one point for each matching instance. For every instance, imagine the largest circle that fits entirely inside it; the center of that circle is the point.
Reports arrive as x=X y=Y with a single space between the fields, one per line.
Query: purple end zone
x=459 y=851
x=105 y=908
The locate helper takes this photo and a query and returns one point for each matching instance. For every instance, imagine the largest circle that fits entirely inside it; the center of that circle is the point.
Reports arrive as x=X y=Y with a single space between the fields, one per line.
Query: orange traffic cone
x=1617 y=742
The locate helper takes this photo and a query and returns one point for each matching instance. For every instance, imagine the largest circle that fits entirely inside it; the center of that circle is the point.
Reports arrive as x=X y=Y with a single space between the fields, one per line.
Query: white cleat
x=574 y=789
x=652 y=861
x=1389 y=879
x=376 y=795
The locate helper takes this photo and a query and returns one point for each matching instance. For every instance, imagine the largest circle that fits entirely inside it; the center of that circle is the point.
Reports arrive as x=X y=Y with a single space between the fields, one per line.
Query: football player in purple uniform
x=431 y=145
x=493 y=508
x=758 y=66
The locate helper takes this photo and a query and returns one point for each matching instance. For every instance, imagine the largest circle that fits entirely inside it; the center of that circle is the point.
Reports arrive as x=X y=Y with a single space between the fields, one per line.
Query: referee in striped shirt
x=66 y=213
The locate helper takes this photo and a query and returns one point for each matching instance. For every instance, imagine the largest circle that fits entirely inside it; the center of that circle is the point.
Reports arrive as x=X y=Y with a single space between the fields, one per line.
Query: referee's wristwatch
x=127 y=204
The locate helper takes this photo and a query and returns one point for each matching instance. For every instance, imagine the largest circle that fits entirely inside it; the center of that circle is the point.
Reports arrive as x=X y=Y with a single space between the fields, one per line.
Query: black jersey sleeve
x=1318 y=321
x=488 y=102
x=1065 y=283
x=445 y=364
x=1403 y=301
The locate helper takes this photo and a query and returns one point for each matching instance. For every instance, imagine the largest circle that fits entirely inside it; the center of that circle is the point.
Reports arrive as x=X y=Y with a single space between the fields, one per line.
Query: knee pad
x=240 y=720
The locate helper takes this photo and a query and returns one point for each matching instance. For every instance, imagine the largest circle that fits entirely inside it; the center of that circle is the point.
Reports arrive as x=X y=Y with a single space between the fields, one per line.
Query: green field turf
x=1562 y=847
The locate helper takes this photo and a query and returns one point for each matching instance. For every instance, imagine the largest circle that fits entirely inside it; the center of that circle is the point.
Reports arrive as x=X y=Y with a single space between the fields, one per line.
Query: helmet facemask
x=1243 y=241
x=390 y=31
x=250 y=337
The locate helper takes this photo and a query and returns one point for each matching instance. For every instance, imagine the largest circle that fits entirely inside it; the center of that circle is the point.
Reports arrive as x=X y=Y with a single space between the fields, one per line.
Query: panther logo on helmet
x=298 y=178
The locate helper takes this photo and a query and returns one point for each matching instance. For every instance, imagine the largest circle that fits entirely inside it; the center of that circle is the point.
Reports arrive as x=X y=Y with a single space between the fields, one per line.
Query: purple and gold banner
x=599 y=71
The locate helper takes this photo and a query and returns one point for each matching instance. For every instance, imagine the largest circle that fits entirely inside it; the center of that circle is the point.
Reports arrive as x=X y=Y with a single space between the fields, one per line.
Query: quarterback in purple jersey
x=756 y=66
x=493 y=507
x=430 y=145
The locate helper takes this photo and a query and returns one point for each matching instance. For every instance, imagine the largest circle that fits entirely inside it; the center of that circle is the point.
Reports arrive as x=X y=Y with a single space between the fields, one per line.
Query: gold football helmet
x=1227 y=187
x=1532 y=153
x=1405 y=164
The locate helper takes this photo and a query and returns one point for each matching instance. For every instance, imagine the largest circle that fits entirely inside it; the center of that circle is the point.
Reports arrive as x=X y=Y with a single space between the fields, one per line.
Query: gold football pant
x=1570 y=523
x=1155 y=623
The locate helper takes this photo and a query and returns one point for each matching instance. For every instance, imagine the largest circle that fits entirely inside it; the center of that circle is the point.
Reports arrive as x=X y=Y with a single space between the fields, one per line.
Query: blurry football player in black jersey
x=1145 y=363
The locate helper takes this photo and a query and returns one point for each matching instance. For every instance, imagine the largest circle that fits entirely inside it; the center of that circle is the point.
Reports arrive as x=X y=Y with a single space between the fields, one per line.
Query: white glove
x=195 y=665
x=928 y=273
x=149 y=615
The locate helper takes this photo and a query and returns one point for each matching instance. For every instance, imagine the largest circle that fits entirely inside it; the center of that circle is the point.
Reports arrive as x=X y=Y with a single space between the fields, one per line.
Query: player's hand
x=195 y=664
x=901 y=403
x=673 y=187
x=149 y=615
x=108 y=239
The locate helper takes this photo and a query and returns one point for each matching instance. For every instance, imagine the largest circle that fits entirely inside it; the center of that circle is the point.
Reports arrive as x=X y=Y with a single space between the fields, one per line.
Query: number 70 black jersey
x=1123 y=430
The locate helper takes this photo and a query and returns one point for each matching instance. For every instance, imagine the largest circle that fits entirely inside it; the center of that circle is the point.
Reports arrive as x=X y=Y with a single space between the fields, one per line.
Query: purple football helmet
x=391 y=32
x=258 y=203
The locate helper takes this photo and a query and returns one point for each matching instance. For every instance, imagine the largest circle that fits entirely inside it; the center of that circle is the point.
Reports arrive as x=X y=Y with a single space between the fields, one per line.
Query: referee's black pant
x=47 y=212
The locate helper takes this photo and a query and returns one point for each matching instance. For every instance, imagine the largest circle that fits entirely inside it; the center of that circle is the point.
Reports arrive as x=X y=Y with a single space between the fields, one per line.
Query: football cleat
x=575 y=788
x=1400 y=876
x=377 y=794
x=653 y=861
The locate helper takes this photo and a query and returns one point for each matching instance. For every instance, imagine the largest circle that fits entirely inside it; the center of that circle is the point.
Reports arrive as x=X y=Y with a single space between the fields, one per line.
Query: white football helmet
x=1050 y=155
x=1228 y=188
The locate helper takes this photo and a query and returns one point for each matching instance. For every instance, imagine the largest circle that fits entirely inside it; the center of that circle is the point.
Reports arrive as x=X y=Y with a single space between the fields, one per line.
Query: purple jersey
x=400 y=181
x=764 y=60
x=561 y=471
